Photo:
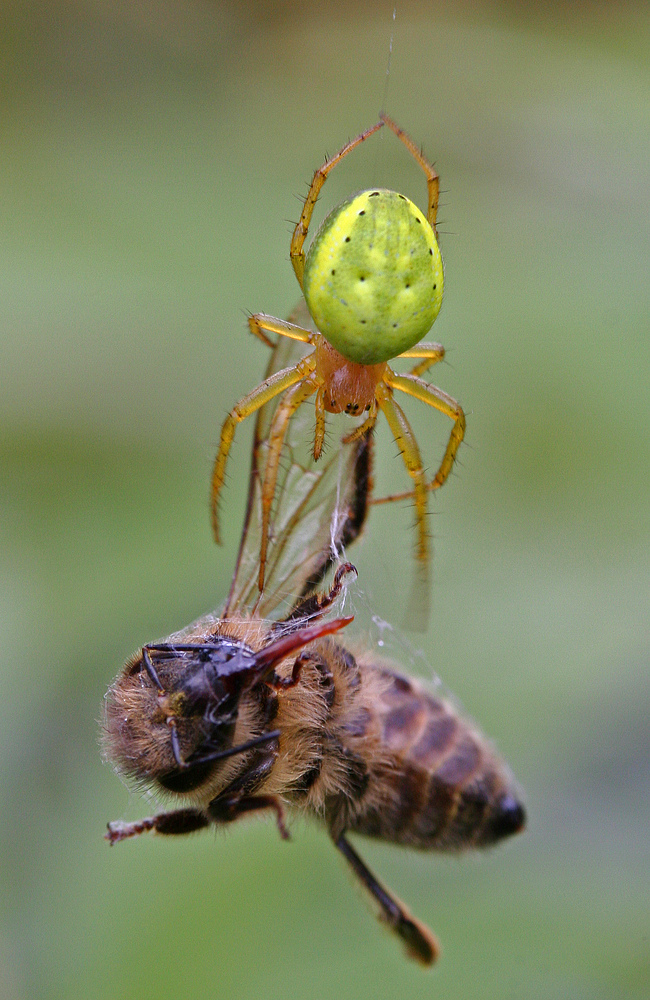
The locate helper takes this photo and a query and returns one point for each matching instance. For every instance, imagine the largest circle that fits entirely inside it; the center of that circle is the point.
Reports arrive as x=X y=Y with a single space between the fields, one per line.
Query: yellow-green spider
x=372 y=280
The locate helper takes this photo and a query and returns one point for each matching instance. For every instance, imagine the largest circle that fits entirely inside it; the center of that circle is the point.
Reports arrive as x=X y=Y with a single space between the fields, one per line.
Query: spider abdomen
x=373 y=277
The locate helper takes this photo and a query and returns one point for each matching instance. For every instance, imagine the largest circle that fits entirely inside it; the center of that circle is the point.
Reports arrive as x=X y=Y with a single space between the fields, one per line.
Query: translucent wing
x=319 y=507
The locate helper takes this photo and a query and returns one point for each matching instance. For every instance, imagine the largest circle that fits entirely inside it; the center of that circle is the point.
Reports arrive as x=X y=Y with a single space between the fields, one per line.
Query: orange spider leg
x=320 y=176
x=363 y=428
x=319 y=433
x=405 y=440
x=430 y=353
x=433 y=181
x=259 y=322
x=430 y=394
x=248 y=404
x=292 y=399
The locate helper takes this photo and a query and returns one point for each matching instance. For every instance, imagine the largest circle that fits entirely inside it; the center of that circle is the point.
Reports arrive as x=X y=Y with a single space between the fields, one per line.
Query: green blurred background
x=151 y=155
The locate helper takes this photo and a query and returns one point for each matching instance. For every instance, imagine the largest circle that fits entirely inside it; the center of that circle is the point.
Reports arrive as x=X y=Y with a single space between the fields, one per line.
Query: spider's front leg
x=363 y=428
x=319 y=433
x=249 y=403
x=294 y=398
x=405 y=439
x=430 y=394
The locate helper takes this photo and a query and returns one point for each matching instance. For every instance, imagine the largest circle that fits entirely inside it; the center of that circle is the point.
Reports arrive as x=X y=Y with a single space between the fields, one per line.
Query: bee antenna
x=151 y=670
x=231 y=751
x=176 y=746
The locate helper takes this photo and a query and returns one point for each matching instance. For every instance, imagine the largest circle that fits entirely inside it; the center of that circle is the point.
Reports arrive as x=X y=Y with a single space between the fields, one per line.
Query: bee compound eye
x=188 y=779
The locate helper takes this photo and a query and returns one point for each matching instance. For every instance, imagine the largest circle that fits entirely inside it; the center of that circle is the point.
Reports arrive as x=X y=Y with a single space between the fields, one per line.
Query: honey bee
x=240 y=713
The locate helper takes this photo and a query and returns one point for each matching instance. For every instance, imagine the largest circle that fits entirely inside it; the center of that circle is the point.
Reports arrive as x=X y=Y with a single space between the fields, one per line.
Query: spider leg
x=248 y=404
x=430 y=353
x=259 y=322
x=292 y=399
x=391 y=498
x=410 y=452
x=320 y=176
x=433 y=181
x=363 y=428
x=430 y=394
x=319 y=433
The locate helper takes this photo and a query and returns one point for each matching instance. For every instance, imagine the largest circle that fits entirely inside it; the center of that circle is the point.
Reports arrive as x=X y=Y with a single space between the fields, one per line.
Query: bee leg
x=326 y=678
x=344 y=532
x=282 y=683
x=226 y=810
x=177 y=822
x=318 y=604
x=419 y=941
x=239 y=798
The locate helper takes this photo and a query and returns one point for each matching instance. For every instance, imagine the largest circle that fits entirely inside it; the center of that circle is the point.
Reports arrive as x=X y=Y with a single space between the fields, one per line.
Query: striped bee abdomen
x=444 y=787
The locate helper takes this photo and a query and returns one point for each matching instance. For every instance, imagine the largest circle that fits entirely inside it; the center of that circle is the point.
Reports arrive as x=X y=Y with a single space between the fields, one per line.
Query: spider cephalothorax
x=373 y=282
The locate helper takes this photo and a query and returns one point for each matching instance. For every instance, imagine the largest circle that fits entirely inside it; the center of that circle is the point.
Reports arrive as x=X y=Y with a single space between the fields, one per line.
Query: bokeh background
x=151 y=156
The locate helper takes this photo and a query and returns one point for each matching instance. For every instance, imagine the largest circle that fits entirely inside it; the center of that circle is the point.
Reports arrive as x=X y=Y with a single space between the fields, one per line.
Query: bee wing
x=319 y=507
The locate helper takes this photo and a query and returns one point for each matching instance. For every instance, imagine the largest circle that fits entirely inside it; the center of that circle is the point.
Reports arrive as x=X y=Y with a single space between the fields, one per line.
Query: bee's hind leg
x=419 y=941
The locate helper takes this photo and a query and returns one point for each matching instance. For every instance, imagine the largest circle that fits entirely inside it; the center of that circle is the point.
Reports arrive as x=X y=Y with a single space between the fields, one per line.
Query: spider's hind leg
x=296 y=251
x=258 y=323
x=433 y=181
x=430 y=354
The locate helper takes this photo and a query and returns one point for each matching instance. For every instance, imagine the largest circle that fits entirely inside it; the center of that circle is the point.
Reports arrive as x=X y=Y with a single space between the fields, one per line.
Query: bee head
x=173 y=706
x=170 y=717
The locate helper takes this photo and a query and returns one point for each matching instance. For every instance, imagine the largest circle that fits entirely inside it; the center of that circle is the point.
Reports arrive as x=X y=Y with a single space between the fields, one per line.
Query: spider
x=372 y=280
